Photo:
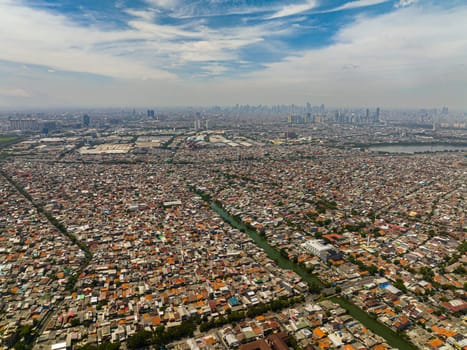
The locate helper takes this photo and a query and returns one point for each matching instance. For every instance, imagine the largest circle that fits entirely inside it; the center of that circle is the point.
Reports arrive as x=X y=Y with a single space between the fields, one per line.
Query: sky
x=150 y=53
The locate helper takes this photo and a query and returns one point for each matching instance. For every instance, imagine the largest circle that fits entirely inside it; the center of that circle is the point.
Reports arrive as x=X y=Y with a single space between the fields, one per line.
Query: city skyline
x=386 y=53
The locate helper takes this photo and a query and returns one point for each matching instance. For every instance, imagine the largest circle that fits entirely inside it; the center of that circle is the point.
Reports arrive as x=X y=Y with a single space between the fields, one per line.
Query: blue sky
x=394 y=53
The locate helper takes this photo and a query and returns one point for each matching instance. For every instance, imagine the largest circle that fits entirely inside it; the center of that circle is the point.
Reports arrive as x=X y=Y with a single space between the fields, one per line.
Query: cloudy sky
x=388 y=53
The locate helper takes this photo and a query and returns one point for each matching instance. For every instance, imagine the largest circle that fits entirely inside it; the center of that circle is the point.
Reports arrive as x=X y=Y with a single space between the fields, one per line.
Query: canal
x=262 y=242
x=393 y=339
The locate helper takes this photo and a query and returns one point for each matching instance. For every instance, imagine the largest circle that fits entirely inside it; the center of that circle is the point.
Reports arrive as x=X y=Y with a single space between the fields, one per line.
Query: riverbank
x=392 y=338
x=386 y=333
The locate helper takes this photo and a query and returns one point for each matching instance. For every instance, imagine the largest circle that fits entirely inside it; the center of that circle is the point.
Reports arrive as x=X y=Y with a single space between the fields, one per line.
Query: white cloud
x=147 y=49
x=405 y=3
x=412 y=56
x=358 y=4
x=163 y=3
x=295 y=9
x=38 y=37
x=14 y=92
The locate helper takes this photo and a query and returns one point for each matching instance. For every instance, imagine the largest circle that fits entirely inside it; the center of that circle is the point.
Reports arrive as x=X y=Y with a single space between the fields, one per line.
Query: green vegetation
x=392 y=338
x=49 y=216
x=399 y=284
x=262 y=308
x=260 y=240
x=427 y=273
x=26 y=341
x=161 y=336
x=372 y=269
x=103 y=346
x=315 y=284
x=8 y=139
x=24 y=337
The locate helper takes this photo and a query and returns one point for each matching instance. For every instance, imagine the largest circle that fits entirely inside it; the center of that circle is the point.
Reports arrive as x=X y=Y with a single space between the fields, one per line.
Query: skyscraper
x=86 y=121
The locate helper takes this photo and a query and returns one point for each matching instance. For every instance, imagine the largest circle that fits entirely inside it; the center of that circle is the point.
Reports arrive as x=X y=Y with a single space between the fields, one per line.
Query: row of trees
x=161 y=336
x=262 y=308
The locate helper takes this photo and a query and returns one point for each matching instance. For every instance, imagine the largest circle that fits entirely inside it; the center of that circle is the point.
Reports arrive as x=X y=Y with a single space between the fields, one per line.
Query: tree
x=284 y=253
x=427 y=273
x=75 y=322
x=460 y=270
x=399 y=284
x=314 y=288
x=372 y=269
x=138 y=340
x=103 y=346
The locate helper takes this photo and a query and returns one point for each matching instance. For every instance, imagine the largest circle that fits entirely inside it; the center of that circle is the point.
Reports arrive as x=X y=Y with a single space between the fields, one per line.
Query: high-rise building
x=296 y=119
x=86 y=121
x=377 y=114
x=24 y=124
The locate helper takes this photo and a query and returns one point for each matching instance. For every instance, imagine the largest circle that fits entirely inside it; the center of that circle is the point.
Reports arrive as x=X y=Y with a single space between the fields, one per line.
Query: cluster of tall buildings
x=339 y=117
x=200 y=124
x=31 y=124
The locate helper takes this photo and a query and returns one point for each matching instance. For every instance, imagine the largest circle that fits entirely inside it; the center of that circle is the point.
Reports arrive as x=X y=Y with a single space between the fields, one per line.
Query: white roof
x=59 y=346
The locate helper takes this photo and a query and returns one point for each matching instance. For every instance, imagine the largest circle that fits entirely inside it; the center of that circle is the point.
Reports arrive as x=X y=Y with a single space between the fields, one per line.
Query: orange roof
x=210 y=340
x=318 y=333
x=443 y=331
x=156 y=321
x=324 y=343
x=380 y=347
x=435 y=343
x=256 y=330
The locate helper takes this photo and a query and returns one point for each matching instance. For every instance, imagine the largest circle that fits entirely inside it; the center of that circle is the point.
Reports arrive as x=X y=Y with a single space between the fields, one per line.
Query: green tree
x=139 y=340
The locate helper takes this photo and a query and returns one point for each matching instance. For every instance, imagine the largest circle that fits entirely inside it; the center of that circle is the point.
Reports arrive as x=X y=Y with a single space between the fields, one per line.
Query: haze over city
x=387 y=53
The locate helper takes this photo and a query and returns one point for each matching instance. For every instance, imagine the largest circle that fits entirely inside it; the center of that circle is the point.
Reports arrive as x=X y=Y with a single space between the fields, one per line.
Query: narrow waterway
x=391 y=337
x=262 y=242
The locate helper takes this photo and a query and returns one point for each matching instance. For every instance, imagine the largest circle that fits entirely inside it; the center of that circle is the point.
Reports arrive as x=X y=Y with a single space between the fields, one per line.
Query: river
x=411 y=149
x=391 y=337
x=262 y=242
